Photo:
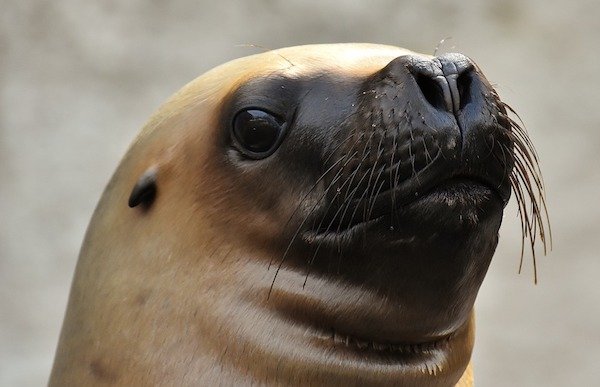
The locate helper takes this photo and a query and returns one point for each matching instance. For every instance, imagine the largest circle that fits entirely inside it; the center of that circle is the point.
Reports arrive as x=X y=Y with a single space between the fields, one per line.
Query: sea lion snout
x=421 y=123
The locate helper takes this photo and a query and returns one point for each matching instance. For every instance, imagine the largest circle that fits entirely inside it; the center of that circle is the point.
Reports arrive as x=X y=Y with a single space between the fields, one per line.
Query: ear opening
x=144 y=191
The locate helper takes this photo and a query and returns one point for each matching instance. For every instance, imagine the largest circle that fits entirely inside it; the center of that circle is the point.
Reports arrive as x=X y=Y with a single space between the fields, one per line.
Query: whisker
x=365 y=153
x=374 y=200
x=393 y=181
x=373 y=169
x=308 y=193
x=528 y=185
x=332 y=221
x=287 y=250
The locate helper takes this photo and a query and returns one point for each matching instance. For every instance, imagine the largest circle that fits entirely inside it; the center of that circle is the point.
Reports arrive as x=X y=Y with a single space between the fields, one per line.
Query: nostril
x=431 y=90
x=450 y=92
x=444 y=83
x=464 y=88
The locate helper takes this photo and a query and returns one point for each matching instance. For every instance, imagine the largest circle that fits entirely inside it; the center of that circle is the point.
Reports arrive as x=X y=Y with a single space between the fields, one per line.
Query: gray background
x=78 y=79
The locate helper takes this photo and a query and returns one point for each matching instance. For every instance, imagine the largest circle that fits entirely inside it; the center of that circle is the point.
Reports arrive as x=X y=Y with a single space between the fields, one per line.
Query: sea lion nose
x=444 y=81
x=445 y=85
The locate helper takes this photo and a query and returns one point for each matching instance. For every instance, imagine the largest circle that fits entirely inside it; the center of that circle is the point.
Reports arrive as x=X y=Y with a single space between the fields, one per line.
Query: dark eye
x=257 y=132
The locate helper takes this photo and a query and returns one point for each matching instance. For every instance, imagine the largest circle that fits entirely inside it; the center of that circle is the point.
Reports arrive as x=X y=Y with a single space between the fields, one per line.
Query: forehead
x=350 y=59
x=357 y=59
x=208 y=91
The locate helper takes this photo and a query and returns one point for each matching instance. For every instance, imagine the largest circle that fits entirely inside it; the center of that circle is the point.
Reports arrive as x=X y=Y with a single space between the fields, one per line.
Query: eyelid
x=278 y=117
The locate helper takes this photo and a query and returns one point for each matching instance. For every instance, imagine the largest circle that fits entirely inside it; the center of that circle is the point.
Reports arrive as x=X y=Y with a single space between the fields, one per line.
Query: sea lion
x=313 y=215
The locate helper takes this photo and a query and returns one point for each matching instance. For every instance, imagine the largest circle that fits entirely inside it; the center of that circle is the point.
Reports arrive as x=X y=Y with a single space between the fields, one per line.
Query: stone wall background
x=78 y=79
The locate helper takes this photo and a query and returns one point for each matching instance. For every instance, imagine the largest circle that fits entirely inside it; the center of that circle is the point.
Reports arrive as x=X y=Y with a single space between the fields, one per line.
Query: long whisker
x=331 y=222
x=299 y=228
x=289 y=246
x=308 y=193
x=528 y=186
x=346 y=202
x=365 y=153
x=394 y=183
x=376 y=192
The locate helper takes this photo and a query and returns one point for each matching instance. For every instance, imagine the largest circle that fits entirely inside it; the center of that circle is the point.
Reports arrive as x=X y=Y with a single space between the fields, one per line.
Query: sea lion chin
x=312 y=215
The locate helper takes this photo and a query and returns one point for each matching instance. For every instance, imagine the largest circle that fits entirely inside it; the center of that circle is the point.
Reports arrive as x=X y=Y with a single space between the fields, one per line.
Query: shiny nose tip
x=445 y=81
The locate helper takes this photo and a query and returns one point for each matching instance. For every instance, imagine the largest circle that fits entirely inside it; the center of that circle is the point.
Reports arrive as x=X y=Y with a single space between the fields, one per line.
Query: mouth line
x=346 y=230
x=366 y=346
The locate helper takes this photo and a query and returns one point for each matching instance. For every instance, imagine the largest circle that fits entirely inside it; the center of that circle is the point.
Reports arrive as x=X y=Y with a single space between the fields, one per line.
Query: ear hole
x=144 y=191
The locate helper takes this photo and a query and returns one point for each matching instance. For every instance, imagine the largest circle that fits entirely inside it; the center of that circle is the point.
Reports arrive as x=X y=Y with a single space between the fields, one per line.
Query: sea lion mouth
x=456 y=192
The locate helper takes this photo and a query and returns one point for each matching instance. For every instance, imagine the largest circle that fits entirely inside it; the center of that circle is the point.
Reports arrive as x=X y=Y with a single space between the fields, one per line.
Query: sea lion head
x=312 y=214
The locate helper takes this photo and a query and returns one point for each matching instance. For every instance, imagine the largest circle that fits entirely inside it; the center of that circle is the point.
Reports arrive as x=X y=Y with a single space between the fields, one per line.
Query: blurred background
x=78 y=79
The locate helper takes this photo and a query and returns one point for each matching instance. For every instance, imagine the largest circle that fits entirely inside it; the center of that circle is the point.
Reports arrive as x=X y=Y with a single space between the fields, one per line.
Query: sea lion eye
x=257 y=132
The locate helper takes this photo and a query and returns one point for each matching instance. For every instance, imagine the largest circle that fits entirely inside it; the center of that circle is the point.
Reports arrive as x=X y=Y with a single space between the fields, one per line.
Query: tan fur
x=467 y=380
